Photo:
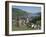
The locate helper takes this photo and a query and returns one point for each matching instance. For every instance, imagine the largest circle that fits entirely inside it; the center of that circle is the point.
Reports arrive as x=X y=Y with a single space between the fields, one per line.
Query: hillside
x=18 y=12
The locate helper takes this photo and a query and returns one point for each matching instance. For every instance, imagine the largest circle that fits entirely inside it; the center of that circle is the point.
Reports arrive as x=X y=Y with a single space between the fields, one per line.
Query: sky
x=29 y=9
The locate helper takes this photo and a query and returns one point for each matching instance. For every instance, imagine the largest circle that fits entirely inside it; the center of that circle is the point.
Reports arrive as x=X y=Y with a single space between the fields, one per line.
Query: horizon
x=29 y=9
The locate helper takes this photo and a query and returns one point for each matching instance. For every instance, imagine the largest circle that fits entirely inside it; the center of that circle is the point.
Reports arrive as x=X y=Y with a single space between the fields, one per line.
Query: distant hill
x=18 y=12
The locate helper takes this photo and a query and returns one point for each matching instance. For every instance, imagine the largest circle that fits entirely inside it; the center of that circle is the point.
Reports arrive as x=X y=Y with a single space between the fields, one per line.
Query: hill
x=18 y=12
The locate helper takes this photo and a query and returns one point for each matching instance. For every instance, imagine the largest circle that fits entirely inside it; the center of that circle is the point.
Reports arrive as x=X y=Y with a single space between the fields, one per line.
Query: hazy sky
x=29 y=8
